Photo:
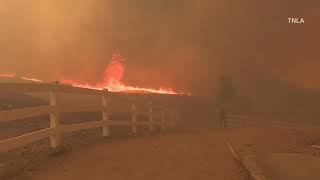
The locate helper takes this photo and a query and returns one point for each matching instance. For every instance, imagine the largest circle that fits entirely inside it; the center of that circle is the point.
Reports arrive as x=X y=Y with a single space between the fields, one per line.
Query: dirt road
x=171 y=157
x=293 y=166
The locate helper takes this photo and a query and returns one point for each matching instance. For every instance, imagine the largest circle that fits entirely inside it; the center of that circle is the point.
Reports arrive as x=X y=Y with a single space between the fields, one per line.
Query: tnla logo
x=296 y=20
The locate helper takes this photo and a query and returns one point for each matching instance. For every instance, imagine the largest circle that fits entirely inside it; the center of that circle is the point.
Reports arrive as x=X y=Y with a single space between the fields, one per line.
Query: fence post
x=162 y=119
x=134 y=117
x=105 y=115
x=55 y=138
x=151 y=122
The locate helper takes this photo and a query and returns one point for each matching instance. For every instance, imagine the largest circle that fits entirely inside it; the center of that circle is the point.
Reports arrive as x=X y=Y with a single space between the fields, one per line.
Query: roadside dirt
x=200 y=154
x=174 y=156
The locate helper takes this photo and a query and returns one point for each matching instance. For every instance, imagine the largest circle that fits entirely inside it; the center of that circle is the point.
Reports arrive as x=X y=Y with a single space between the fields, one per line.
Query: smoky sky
x=183 y=44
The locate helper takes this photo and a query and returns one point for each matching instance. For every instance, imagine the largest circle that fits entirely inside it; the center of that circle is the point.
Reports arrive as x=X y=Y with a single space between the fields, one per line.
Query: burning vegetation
x=110 y=79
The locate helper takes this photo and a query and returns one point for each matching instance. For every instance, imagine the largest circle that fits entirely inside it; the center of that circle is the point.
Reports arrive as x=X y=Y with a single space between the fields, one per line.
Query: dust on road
x=171 y=157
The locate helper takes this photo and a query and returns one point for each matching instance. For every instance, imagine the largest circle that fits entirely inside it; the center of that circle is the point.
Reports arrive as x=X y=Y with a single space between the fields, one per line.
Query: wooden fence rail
x=56 y=129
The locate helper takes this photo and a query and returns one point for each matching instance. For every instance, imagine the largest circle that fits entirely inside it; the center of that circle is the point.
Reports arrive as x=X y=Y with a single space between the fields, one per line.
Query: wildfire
x=8 y=75
x=111 y=79
x=24 y=78
x=32 y=79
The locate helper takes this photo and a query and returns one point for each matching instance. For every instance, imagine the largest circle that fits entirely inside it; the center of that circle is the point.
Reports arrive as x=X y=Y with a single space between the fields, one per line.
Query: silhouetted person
x=222 y=117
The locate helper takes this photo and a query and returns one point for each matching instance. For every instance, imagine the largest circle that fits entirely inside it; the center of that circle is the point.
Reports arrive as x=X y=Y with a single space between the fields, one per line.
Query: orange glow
x=8 y=75
x=119 y=87
x=111 y=79
x=31 y=79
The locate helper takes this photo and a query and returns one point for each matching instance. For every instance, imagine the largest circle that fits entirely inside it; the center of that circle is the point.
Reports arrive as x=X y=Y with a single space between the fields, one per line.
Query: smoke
x=182 y=44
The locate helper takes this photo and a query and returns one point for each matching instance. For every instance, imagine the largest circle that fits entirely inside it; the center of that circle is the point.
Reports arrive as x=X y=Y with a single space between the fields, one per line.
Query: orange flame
x=32 y=79
x=12 y=75
x=111 y=79
x=9 y=75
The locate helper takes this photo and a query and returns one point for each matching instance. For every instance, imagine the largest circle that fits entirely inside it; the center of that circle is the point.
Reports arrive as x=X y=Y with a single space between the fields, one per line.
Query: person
x=222 y=117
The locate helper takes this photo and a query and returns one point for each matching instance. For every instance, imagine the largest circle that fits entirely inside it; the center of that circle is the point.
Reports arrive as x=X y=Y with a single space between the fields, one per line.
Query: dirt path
x=171 y=157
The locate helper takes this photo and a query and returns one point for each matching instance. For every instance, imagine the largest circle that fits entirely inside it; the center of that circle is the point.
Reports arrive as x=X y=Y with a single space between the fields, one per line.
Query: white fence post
x=134 y=117
x=162 y=119
x=151 y=122
x=55 y=138
x=105 y=115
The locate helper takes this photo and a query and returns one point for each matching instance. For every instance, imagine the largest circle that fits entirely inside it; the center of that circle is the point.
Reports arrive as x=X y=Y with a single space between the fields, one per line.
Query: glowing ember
x=111 y=79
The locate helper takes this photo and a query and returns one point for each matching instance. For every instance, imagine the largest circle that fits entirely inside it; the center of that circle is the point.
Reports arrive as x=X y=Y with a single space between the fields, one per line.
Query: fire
x=11 y=75
x=111 y=79
x=32 y=79
x=8 y=75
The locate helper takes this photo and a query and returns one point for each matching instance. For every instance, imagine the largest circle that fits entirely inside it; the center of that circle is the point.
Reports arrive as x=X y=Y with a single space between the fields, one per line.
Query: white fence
x=56 y=129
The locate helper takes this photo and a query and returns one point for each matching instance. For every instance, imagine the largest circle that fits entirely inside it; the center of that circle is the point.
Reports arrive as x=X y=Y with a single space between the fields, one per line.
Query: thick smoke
x=182 y=44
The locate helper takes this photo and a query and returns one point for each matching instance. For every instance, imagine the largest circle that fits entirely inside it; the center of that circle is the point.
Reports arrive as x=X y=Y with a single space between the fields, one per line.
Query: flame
x=111 y=79
x=9 y=75
x=32 y=79
x=12 y=75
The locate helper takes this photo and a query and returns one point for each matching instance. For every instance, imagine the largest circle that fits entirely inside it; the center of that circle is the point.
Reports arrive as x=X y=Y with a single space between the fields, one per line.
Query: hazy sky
x=184 y=44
